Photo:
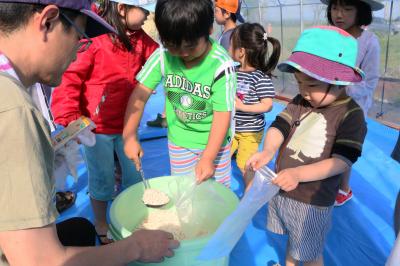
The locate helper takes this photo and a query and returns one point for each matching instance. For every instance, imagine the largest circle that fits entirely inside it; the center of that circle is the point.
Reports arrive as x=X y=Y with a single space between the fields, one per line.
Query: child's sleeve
x=65 y=98
x=265 y=88
x=224 y=88
x=350 y=136
x=370 y=65
x=151 y=74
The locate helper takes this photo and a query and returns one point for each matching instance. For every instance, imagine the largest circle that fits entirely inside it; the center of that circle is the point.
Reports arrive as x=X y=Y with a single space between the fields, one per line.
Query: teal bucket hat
x=325 y=53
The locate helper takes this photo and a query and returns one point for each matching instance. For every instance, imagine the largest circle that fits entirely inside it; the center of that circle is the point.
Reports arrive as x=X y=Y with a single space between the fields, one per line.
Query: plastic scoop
x=152 y=197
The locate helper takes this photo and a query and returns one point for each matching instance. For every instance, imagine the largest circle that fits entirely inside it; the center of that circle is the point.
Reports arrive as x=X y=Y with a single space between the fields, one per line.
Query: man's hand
x=133 y=151
x=287 y=179
x=153 y=245
x=204 y=170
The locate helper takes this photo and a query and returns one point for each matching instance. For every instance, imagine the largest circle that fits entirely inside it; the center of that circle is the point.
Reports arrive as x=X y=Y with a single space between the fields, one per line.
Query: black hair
x=364 y=12
x=16 y=15
x=251 y=37
x=232 y=15
x=183 y=20
x=109 y=11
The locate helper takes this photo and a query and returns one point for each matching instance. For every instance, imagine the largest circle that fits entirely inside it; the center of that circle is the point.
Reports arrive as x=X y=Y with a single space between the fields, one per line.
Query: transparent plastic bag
x=66 y=162
x=68 y=156
x=394 y=257
x=233 y=227
x=87 y=137
x=191 y=203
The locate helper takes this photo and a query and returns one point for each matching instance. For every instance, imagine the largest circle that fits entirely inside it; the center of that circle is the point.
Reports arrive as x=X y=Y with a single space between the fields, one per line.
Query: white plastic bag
x=66 y=162
x=230 y=231
x=87 y=137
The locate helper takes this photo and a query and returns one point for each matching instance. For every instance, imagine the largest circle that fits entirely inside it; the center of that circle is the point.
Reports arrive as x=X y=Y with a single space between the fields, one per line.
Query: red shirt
x=105 y=69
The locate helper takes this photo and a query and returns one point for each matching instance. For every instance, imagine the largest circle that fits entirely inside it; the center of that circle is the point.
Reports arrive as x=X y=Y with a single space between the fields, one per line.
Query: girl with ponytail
x=255 y=91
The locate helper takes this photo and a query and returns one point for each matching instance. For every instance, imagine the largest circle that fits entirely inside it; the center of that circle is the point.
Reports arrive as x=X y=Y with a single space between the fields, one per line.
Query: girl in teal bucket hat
x=317 y=137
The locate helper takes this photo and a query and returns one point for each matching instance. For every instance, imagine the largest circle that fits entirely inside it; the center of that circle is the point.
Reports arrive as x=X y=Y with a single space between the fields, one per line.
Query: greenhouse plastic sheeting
x=362 y=230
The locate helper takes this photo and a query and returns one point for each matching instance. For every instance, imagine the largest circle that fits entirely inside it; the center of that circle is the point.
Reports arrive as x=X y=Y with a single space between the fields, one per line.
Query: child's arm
x=370 y=65
x=133 y=114
x=289 y=178
x=264 y=89
x=147 y=78
x=273 y=140
x=264 y=106
x=220 y=125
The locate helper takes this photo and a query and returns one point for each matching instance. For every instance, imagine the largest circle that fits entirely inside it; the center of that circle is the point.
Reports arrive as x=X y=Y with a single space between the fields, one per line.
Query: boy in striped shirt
x=200 y=83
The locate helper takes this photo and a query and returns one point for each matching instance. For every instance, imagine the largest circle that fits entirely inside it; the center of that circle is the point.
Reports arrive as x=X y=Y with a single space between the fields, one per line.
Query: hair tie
x=265 y=36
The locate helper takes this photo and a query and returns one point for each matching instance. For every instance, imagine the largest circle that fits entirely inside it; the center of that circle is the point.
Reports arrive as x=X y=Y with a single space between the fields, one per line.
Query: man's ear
x=46 y=19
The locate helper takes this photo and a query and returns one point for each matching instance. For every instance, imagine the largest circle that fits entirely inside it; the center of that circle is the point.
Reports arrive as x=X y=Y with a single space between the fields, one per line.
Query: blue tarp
x=362 y=230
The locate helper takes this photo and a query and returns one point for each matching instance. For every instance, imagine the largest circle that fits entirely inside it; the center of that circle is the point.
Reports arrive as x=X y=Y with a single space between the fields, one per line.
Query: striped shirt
x=252 y=87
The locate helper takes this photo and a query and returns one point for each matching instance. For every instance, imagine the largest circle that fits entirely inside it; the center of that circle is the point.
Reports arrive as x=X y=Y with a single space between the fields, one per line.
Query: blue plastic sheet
x=154 y=106
x=362 y=230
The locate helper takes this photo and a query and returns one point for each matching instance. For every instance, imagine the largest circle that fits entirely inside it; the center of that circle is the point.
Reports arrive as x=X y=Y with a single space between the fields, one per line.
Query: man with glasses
x=38 y=40
x=84 y=41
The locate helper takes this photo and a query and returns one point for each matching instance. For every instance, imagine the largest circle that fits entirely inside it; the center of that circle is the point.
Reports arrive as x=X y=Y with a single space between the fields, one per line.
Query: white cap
x=146 y=4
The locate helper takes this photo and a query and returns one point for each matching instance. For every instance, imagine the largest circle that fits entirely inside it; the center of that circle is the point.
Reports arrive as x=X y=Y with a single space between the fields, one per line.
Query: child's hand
x=133 y=151
x=204 y=169
x=256 y=161
x=238 y=104
x=287 y=179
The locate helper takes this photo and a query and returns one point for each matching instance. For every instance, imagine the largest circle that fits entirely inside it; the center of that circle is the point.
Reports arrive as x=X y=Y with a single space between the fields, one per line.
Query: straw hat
x=375 y=5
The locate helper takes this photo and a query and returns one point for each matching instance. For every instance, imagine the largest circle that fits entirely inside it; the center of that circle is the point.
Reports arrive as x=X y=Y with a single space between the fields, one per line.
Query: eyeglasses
x=84 y=41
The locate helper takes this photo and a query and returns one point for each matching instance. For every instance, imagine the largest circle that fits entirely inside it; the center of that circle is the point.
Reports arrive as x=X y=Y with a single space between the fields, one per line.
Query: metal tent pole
x=301 y=16
x=386 y=60
x=282 y=44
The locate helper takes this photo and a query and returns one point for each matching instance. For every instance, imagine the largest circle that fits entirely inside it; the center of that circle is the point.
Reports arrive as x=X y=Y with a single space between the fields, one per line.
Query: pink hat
x=322 y=69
